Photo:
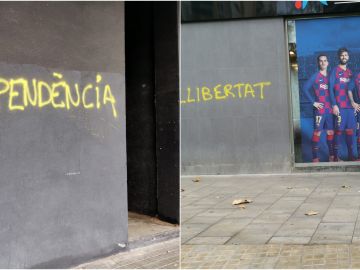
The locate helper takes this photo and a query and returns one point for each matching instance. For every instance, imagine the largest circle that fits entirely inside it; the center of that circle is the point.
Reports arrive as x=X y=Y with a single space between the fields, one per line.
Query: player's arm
x=351 y=93
x=307 y=86
x=332 y=79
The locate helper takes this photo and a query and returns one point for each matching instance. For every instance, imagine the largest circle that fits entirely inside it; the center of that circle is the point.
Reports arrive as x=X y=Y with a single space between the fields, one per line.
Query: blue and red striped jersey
x=341 y=82
x=320 y=86
x=357 y=84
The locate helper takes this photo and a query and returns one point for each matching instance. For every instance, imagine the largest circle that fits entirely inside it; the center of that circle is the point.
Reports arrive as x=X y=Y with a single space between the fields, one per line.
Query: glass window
x=324 y=56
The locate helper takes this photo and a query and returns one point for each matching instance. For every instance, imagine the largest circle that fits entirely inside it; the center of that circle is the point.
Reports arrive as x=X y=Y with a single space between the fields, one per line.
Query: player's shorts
x=346 y=120
x=323 y=121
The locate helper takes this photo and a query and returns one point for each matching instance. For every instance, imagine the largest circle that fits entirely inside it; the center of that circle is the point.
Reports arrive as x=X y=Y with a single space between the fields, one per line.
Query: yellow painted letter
x=13 y=93
x=40 y=87
x=239 y=86
x=56 y=93
x=262 y=84
x=206 y=94
x=250 y=90
x=69 y=98
x=87 y=105
x=227 y=90
x=109 y=97
x=189 y=99
x=217 y=92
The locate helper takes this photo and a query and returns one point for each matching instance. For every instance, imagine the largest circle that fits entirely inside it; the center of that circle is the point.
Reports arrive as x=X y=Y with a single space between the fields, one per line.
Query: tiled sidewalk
x=272 y=231
x=271 y=256
x=156 y=256
x=277 y=213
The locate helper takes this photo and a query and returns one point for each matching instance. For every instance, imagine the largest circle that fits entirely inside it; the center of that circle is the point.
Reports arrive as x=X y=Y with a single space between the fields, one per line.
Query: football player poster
x=328 y=57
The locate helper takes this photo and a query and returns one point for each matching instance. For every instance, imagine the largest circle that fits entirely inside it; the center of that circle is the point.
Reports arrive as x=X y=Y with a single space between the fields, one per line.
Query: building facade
x=244 y=66
x=71 y=143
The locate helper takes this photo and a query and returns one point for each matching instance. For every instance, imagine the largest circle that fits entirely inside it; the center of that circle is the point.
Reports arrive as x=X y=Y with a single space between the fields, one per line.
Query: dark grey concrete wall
x=234 y=135
x=63 y=172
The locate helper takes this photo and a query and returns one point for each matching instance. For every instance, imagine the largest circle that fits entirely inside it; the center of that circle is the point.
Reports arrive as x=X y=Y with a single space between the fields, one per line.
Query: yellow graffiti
x=23 y=93
x=226 y=91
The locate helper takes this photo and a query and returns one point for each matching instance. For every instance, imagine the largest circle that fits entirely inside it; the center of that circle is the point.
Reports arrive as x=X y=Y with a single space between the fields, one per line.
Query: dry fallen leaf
x=197 y=179
x=241 y=201
x=311 y=213
x=344 y=186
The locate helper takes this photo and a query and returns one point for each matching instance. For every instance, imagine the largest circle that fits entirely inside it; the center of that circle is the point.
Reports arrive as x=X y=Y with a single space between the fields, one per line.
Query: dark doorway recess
x=152 y=90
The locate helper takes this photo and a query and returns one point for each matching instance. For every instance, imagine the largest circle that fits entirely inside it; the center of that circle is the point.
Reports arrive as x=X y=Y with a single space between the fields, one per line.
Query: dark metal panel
x=140 y=120
x=167 y=108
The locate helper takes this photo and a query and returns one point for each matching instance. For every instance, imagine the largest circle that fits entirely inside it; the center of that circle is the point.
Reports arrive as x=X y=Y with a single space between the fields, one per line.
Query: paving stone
x=357 y=229
x=227 y=203
x=216 y=213
x=272 y=217
x=189 y=231
x=268 y=199
x=295 y=227
x=305 y=191
x=245 y=238
x=340 y=215
x=346 y=201
x=285 y=205
x=335 y=229
x=290 y=240
x=330 y=239
x=294 y=198
x=202 y=220
x=201 y=240
x=189 y=213
x=212 y=199
x=356 y=240
x=321 y=208
x=226 y=227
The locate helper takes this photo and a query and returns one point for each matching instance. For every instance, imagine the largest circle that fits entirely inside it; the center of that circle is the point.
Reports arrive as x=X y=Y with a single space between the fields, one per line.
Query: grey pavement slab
x=201 y=240
x=255 y=234
x=299 y=227
x=335 y=229
x=341 y=215
x=290 y=239
x=272 y=217
x=330 y=239
x=216 y=213
x=226 y=227
x=203 y=220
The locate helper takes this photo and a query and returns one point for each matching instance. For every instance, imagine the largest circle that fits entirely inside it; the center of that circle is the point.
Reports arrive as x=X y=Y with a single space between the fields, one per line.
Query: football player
x=341 y=86
x=323 y=117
